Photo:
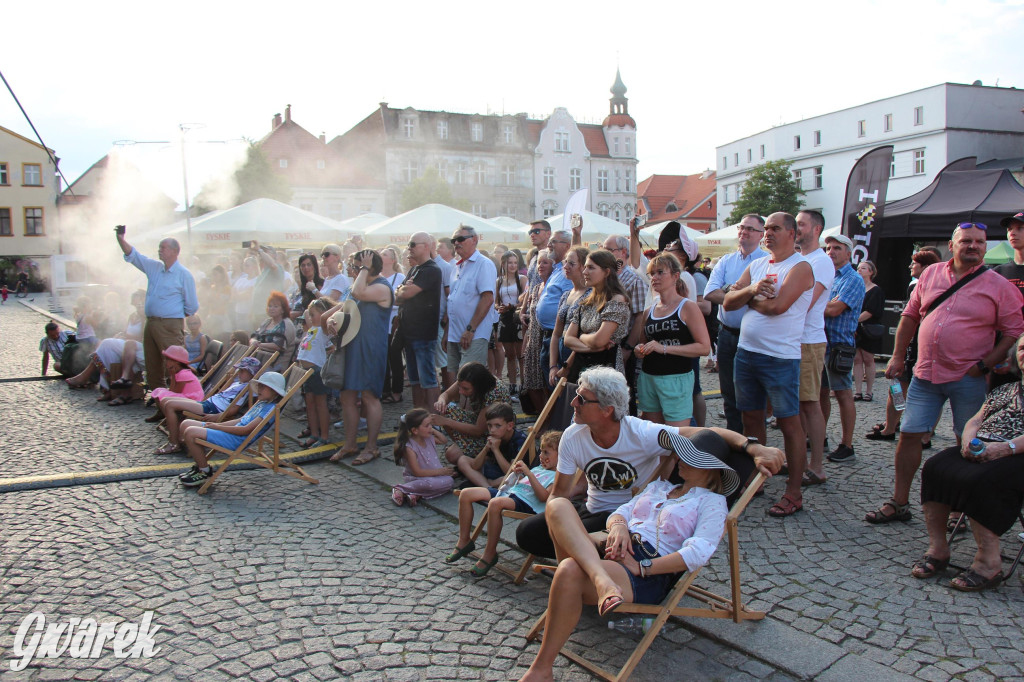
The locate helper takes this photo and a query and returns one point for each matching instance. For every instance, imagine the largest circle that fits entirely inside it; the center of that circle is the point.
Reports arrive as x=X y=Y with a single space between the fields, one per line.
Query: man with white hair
x=617 y=454
x=170 y=298
x=438 y=249
x=470 y=303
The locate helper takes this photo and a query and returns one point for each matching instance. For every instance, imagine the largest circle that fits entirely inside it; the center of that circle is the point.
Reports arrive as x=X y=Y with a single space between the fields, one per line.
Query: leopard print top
x=1001 y=414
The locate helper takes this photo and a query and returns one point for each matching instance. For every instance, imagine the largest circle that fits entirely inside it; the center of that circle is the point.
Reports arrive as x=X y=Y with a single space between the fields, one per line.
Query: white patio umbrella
x=719 y=242
x=438 y=220
x=360 y=224
x=266 y=220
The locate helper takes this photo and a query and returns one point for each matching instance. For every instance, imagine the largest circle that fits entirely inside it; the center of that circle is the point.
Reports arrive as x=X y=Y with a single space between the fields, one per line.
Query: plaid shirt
x=636 y=290
x=848 y=287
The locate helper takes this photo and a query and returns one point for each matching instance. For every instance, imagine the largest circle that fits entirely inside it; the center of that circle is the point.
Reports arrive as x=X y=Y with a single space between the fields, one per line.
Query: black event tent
x=980 y=196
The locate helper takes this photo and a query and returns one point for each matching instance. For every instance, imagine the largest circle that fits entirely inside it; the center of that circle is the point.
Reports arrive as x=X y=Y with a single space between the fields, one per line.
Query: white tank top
x=508 y=294
x=776 y=336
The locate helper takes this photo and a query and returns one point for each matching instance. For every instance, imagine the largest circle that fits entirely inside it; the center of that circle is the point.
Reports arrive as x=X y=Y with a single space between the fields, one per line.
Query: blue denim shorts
x=209 y=407
x=650 y=590
x=419 y=362
x=759 y=378
x=521 y=506
x=836 y=381
x=925 y=401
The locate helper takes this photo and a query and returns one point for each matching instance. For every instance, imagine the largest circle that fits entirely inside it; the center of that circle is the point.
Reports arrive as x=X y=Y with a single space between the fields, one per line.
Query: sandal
x=811 y=478
x=309 y=443
x=398 y=497
x=787 y=506
x=857 y=397
x=900 y=512
x=478 y=572
x=876 y=433
x=342 y=454
x=305 y=433
x=121 y=400
x=390 y=400
x=170 y=449
x=121 y=383
x=459 y=553
x=928 y=566
x=365 y=457
x=953 y=519
x=868 y=397
x=608 y=606
x=972 y=581
x=414 y=499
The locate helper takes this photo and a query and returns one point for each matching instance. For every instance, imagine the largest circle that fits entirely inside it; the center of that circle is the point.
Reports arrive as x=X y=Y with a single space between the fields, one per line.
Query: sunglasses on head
x=460 y=239
x=967 y=226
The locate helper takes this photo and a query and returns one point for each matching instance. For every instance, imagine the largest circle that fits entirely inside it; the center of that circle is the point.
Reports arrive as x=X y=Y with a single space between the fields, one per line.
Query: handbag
x=333 y=371
x=872 y=331
x=840 y=359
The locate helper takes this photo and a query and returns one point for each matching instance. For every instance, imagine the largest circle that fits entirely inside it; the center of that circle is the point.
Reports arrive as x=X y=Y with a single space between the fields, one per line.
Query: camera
x=576 y=220
x=119 y=229
x=641 y=220
x=247 y=245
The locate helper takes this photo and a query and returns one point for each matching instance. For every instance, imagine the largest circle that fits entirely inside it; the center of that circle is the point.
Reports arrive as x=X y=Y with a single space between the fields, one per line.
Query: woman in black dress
x=867 y=346
x=988 y=487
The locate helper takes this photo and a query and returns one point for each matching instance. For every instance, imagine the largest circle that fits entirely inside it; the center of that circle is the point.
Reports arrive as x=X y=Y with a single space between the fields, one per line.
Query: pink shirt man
x=952 y=338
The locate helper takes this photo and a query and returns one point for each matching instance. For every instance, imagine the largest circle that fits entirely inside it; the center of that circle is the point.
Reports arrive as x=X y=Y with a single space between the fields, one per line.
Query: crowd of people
x=789 y=323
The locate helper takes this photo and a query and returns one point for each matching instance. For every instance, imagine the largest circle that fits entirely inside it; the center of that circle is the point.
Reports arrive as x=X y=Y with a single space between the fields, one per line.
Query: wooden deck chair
x=529 y=446
x=235 y=406
x=717 y=606
x=251 y=450
x=214 y=379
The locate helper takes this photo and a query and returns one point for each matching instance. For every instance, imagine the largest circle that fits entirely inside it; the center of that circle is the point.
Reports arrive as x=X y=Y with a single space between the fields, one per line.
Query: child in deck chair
x=216 y=404
x=425 y=478
x=526 y=497
x=230 y=434
x=487 y=467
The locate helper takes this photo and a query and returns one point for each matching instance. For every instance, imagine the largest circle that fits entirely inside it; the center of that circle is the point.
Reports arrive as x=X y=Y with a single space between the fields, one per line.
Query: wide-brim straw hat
x=350 y=314
x=177 y=353
x=699 y=459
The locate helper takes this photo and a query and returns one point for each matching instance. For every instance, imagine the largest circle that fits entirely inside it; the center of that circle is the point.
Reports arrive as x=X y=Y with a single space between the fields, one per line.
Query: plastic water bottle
x=771 y=275
x=635 y=625
x=976 y=447
x=899 y=401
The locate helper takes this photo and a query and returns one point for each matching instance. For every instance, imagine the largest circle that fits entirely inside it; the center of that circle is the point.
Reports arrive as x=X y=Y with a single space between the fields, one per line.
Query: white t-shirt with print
x=613 y=473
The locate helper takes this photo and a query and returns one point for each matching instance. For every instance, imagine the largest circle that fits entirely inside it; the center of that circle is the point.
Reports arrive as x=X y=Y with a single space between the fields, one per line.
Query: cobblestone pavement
x=266 y=577
x=272 y=578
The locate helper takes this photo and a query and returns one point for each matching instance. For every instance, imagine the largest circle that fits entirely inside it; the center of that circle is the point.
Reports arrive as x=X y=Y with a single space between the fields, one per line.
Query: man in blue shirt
x=557 y=284
x=170 y=298
x=728 y=271
x=841 y=314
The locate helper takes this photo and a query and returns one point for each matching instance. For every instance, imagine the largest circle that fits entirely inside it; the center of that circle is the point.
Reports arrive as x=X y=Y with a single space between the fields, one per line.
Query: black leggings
x=532 y=534
x=394 y=378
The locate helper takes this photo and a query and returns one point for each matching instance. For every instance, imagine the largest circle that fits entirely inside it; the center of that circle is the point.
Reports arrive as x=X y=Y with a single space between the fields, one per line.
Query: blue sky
x=698 y=75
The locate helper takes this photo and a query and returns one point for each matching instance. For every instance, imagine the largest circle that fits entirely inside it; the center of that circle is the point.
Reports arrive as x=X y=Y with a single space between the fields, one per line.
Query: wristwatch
x=750 y=441
x=1013 y=448
x=469 y=328
x=982 y=368
x=645 y=564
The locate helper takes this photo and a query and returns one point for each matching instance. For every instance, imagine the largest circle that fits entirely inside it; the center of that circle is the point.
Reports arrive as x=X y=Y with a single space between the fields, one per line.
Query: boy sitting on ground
x=504 y=441
x=229 y=435
x=218 y=403
x=53 y=345
x=528 y=495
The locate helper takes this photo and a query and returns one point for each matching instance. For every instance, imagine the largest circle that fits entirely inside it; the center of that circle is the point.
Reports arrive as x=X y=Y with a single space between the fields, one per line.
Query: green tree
x=769 y=188
x=430 y=188
x=254 y=179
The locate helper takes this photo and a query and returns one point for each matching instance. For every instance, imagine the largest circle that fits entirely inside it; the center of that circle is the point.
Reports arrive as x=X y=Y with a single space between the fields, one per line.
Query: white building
x=928 y=129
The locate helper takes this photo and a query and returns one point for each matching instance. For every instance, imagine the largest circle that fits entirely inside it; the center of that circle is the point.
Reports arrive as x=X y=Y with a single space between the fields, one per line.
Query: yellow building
x=29 y=224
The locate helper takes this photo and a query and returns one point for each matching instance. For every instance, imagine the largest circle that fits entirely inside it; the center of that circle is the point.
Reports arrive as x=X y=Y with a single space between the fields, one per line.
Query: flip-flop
x=459 y=553
x=787 y=506
x=972 y=581
x=608 y=606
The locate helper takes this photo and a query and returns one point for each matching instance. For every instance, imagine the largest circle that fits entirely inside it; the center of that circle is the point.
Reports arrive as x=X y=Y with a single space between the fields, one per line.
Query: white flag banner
x=577 y=204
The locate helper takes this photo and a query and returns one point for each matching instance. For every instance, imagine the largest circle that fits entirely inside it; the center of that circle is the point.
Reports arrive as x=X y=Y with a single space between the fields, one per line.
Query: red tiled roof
x=621 y=120
x=593 y=137
x=533 y=130
x=694 y=197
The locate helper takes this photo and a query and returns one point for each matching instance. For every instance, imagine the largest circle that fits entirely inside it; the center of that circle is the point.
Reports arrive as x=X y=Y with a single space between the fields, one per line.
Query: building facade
x=29 y=224
x=496 y=164
x=928 y=129
x=689 y=199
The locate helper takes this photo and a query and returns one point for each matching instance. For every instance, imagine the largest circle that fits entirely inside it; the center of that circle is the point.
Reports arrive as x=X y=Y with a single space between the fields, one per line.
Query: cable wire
x=39 y=137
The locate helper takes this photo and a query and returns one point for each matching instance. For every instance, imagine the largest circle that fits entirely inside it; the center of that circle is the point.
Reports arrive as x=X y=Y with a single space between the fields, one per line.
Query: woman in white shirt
x=665 y=530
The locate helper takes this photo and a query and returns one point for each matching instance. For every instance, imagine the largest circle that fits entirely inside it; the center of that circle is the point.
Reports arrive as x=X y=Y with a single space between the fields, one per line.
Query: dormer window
x=510 y=133
x=409 y=128
x=477 y=132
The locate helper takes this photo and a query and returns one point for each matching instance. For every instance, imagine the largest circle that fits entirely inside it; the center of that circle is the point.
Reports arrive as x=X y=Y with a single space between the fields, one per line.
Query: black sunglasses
x=459 y=240
x=537 y=230
x=325 y=254
x=413 y=245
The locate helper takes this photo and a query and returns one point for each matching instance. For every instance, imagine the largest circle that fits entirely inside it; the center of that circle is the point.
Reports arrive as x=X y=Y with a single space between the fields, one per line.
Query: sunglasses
x=413 y=245
x=536 y=230
x=325 y=254
x=967 y=226
x=583 y=401
x=459 y=240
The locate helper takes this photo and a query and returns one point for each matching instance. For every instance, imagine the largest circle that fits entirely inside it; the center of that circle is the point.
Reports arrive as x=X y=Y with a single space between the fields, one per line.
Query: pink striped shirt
x=962 y=330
